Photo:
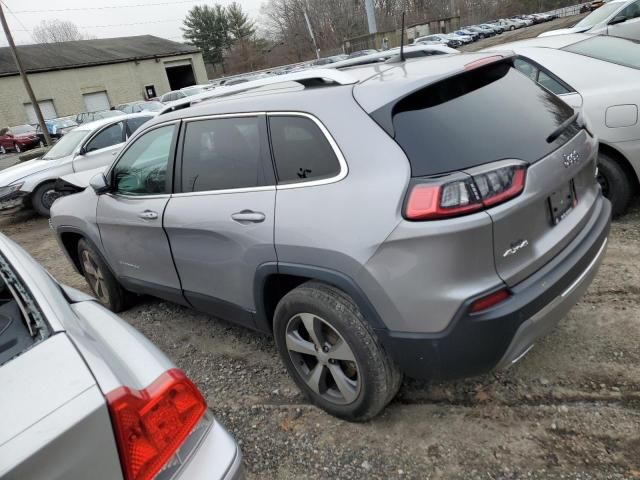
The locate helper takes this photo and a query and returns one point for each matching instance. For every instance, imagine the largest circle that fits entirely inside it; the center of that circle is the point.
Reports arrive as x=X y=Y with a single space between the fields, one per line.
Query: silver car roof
x=91 y=126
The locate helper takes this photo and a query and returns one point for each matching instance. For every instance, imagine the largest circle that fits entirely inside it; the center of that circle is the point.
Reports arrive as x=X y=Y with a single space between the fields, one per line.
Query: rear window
x=487 y=114
x=609 y=49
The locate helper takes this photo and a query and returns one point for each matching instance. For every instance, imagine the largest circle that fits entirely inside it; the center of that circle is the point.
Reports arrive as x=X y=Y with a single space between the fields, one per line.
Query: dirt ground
x=570 y=409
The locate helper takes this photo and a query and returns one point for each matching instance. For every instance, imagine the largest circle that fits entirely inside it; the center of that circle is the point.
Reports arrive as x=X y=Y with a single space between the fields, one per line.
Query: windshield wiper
x=562 y=127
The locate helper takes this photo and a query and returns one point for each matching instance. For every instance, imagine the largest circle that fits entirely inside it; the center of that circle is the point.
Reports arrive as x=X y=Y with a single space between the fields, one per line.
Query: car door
x=220 y=225
x=100 y=149
x=630 y=28
x=130 y=215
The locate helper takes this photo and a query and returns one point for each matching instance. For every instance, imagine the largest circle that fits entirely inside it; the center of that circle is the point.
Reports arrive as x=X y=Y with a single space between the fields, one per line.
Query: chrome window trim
x=344 y=169
x=131 y=141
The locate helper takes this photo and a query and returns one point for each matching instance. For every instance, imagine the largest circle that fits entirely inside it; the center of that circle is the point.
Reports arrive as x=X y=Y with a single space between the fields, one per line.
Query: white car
x=601 y=76
x=89 y=146
x=618 y=18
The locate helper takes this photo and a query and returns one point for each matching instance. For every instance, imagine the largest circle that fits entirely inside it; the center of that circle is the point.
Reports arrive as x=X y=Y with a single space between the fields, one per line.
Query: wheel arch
x=274 y=280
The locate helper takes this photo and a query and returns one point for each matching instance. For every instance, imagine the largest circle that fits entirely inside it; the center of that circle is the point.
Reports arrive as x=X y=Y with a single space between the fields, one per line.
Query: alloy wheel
x=323 y=358
x=95 y=277
x=2 y=150
x=17 y=148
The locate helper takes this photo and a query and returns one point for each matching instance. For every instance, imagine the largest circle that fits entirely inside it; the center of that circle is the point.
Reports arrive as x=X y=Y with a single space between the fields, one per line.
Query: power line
x=24 y=29
x=108 y=7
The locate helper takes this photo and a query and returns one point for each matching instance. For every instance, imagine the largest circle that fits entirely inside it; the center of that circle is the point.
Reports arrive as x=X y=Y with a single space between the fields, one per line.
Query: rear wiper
x=562 y=127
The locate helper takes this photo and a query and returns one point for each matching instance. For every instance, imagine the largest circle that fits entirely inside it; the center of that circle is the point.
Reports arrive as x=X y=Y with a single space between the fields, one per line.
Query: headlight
x=6 y=191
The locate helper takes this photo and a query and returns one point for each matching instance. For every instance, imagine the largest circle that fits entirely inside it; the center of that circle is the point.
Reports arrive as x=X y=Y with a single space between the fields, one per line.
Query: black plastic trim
x=221 y=309
x=140 y=286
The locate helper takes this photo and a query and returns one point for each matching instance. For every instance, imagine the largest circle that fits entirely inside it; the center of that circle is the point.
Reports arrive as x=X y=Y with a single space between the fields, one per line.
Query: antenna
x=402 y=59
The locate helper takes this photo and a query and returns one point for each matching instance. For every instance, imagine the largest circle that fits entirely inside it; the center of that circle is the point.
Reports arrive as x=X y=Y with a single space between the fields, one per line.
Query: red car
x=19 y=138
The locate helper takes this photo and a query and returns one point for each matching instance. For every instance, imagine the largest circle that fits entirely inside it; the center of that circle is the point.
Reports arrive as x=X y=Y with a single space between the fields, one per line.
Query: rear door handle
x=248 y=216
x=149 y=215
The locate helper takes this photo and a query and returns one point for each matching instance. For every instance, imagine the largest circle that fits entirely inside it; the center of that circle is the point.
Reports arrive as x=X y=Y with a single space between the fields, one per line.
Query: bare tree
x=54 y=31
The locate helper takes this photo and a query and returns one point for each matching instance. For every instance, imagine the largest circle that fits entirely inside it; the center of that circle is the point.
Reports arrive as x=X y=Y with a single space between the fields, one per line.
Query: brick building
x=90 y=75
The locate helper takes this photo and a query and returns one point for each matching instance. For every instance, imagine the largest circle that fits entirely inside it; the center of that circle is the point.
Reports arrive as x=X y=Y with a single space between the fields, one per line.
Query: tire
x=103 y=284
x=40 y=144
x=615 y=183
x=368 y=377
x=2 y=150
x=17 y=148
x=43 y=197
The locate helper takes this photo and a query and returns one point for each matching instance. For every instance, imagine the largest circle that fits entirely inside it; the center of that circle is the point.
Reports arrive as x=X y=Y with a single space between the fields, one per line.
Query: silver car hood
x=82 y=179
x=21 y=170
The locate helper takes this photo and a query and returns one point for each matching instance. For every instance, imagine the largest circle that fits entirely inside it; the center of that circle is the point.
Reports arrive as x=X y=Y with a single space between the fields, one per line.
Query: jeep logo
x=571 y=159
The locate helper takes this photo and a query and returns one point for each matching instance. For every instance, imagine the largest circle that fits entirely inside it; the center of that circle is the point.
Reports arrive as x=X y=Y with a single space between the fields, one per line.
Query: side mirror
x=99 y=183
x=617 y=20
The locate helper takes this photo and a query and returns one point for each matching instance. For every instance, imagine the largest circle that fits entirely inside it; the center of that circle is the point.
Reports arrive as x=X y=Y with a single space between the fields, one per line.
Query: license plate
x=562 y=201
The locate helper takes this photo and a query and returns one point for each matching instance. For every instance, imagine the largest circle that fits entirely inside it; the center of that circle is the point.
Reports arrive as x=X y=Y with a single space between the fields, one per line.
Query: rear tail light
x=491 y=300
x=451 y=197
x=151 y=424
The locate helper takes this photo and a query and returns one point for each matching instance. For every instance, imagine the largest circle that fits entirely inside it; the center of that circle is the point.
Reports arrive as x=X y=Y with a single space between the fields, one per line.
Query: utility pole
x=313 y=38
x=23 y=75
x=371 y=16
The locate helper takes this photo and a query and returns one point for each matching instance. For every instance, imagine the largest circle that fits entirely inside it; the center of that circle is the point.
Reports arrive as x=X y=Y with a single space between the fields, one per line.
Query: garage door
x=97 y=101
x=46 y=107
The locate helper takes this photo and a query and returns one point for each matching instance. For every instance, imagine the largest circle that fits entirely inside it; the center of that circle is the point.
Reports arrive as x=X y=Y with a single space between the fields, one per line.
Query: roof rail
x=304 y=77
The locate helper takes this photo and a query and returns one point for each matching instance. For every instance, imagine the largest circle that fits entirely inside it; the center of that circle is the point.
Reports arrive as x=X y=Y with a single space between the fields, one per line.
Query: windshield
x=20 y=129
x=599 y=15
x=192 y=91
x=64 y=123
x=66 y=145
x=108 y=114
x=151 y=106
x=609 y=49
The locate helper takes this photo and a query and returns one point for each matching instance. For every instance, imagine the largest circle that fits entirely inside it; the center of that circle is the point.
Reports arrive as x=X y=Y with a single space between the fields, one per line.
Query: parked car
x=440 y=38
x=519 y=22
x=474 y=35
x=618 y=18
x=488 y=30
x=86 y=117
x=18 y=138
x=423 y=250
x=360 y=53
x=506 y=24
x=88 y=146
x=329 y=60
x=79 y=379
x=56 y=127
x=575 y=67
x=482 y=33
x=497 y=28
x=140 y=106
x=465 y=39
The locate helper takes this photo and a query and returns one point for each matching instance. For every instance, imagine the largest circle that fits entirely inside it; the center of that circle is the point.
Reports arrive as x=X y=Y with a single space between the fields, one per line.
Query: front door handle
x=248 y=216
x=149 y=215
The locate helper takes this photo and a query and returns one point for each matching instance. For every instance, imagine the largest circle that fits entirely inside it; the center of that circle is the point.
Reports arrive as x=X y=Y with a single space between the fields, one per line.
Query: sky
x=109 y=18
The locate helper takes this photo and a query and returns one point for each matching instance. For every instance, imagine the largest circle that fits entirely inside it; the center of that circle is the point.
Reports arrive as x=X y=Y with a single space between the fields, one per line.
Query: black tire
x=615 y=183
x=103 y=284
x=377 y=378
x=43 y=197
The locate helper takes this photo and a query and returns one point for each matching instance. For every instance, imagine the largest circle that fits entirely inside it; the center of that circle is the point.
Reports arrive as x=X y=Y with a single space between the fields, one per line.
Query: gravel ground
x=570 y=409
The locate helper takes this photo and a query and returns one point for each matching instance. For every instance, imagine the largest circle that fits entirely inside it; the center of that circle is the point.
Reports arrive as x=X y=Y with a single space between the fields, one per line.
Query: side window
x=540 y=76
x=224 y=153
x=112 y=135
x=632 y=11
x=301 y=151
x=142 y=169
x=134 y=124
x=551 y=84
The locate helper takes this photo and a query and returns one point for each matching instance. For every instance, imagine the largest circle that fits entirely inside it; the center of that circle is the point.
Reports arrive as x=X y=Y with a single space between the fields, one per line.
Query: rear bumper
x=475 y=344
x=218 y=458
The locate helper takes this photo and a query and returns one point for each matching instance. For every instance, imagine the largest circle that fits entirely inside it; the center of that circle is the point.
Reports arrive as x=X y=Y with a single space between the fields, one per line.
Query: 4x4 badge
x=571 y=159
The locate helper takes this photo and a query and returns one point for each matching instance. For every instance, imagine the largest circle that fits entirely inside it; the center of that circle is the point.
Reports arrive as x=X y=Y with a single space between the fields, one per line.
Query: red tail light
x=446 y=197
x=151 y=424
x=491 y=300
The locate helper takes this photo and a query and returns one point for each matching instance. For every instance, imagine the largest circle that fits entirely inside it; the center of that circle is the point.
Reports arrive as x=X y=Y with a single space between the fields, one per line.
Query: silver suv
x=432 y=217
